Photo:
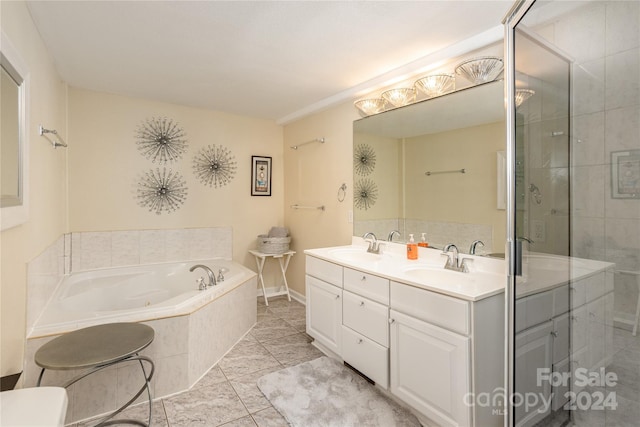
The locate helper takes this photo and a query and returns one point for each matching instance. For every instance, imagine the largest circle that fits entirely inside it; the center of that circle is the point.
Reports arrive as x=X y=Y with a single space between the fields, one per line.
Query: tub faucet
x=212 y=277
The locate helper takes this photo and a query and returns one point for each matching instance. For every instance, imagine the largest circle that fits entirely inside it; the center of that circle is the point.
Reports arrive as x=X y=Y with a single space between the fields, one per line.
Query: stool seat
x=94 y=346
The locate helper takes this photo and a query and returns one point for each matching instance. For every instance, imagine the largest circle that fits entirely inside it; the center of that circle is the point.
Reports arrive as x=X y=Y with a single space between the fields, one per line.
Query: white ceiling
x=267 y=59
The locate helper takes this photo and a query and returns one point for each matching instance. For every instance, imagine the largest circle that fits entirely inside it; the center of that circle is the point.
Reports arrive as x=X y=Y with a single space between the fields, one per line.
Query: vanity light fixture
x=480 y=70
x=367 y=107
x=436 y=84
x=401 y=96
x=522 y=95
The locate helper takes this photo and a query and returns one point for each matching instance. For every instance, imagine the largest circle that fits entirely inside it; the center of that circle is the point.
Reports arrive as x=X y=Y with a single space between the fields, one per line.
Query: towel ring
x=342 y=192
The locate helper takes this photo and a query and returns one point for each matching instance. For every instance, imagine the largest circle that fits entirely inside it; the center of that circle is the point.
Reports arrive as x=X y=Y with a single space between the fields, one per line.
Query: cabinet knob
x=391 y=321
x=363 y=278
x=359 y=340
x=555 y=334
x=361 y=303
x=337 y=296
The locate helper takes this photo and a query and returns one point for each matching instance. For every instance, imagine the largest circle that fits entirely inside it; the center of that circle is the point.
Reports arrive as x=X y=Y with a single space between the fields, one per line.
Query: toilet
x=36 y=406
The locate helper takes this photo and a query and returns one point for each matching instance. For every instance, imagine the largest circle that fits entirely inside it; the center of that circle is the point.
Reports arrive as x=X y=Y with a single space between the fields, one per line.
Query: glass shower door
x=573 y=78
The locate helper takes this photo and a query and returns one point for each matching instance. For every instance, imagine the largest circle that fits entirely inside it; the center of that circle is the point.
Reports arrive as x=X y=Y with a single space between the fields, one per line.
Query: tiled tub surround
x=92 y=250
x=187 y=343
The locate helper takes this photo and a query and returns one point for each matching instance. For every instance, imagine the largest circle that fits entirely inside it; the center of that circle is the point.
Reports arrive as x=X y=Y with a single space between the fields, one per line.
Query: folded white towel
x=278 y=232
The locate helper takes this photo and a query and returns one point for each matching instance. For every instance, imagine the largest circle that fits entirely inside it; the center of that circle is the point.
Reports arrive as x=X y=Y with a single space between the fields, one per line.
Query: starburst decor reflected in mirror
x=161 y=190
x=161 y=140
x=214 y=166
x=364 y=159
x=365 y=194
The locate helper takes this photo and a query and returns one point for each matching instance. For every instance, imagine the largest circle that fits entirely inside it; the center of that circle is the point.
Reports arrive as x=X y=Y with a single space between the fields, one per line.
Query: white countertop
x=541 y=272
x=487 y=276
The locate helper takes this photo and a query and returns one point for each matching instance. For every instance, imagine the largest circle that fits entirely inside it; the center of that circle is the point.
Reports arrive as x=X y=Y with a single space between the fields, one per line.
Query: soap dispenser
x=423 y=243
x=412 y=248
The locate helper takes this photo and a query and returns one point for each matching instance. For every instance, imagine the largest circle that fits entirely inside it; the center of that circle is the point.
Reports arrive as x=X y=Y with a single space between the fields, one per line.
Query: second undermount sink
x=434 y=274
x=355 y=255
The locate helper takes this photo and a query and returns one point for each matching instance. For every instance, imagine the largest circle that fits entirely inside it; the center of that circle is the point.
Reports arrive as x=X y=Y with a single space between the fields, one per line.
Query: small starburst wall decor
x=365 y=194
x=214 y=166
x=161 y=190
x=364 y=159
x=161 y=140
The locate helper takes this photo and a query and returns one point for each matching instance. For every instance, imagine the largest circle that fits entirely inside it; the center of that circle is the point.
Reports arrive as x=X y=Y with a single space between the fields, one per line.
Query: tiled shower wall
x=604 y=39
x=103 y=249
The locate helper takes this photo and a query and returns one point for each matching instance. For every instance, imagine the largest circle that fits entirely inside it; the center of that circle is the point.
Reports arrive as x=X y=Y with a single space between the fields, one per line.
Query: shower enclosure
x=573 y=114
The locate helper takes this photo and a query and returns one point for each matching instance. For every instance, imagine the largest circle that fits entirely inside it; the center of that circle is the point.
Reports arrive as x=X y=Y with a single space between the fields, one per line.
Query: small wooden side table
x=283 y=259
x=96 y=348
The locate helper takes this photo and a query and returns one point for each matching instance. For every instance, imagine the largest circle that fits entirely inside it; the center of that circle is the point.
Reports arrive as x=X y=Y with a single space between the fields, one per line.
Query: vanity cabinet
x=560 y=330
x=323 y=284
x=432 y=351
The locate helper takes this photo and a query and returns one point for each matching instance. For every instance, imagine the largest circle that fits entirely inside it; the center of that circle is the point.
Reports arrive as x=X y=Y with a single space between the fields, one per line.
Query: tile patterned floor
x=228 y=396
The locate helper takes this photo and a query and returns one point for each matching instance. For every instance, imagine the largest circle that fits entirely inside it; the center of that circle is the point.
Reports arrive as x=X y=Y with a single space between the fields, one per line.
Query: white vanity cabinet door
x=367 y=317
x=430 y=369
x=561 y=337
x=534 y=351
x=324 y=313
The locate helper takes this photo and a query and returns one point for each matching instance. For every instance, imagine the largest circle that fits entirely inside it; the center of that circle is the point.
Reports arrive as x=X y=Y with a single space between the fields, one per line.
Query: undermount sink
x=355 y=255
x=431 y=274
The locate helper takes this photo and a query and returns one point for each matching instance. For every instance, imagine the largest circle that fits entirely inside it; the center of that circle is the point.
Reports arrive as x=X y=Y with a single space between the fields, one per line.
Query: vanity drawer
x=366 y=356
x=367 y=317
x=533 y=310
x=324 y=270
x=448 y=312
x=367 y=285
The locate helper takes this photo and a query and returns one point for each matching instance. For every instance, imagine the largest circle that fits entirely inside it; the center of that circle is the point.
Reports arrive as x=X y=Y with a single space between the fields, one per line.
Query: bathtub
x=134 y=294
x=193 y=329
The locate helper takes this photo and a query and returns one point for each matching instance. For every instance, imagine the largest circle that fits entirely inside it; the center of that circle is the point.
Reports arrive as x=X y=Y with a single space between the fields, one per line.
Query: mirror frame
x=12 y=216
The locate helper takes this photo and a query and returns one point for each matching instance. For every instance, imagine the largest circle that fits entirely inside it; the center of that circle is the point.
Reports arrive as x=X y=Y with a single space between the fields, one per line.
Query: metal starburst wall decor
x=365 y=194
x=161 y=140
x=214 y=166
x=364 y=159
x=161 y=190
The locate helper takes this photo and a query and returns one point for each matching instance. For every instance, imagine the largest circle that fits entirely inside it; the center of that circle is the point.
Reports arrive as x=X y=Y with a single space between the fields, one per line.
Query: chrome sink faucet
x=474 y=246
x=390 y=237
x=212 y=277
x=453 y=261
x=374 y=246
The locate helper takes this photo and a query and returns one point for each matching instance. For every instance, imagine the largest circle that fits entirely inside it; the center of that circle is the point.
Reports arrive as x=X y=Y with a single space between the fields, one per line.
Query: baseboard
x=275 y=291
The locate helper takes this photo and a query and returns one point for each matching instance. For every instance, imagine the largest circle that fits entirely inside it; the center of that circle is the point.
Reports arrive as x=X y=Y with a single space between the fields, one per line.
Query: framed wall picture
x=625 y=174
x=260 y=176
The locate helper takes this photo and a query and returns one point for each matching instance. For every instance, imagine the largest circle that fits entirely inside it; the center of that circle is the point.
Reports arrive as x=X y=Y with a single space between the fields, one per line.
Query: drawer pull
x=359 y=340
x=361 y=303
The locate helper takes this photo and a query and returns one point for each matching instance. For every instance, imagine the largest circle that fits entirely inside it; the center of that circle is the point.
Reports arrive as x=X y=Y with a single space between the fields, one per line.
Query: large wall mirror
x=434 y=167
x=13 y=138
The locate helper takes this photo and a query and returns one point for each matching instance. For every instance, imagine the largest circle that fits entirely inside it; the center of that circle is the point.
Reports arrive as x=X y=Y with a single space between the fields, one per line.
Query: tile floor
x=228 y=395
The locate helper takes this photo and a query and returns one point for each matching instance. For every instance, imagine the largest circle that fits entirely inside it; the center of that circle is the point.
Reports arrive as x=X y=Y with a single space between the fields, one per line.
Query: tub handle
x=220 y=275
x=200 y=283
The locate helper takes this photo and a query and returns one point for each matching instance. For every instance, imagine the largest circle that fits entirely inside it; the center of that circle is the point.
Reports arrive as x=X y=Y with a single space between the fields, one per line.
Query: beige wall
x=463 y=198
x=313 y=174
x=105 y=164
x=47 y=176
